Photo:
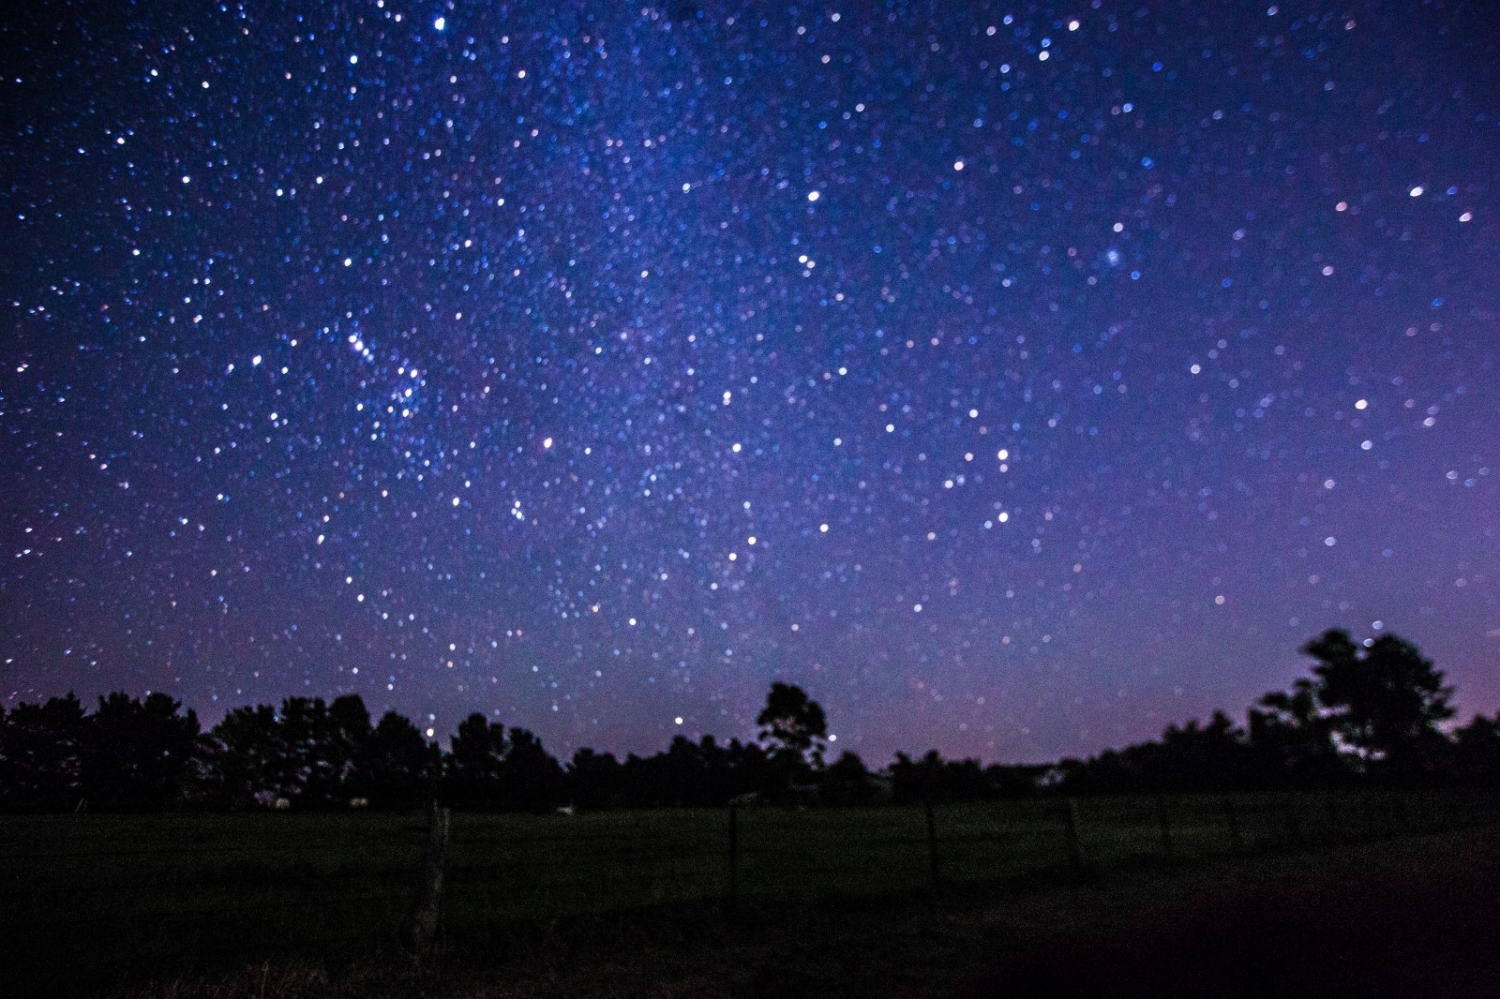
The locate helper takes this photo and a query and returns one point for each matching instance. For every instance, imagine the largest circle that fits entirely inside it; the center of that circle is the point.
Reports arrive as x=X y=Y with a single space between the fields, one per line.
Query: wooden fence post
x=1075 y=844
x=1236 y=842
x=734 y=853
x=419 y=929
x=1166 y=828
x=932 y=854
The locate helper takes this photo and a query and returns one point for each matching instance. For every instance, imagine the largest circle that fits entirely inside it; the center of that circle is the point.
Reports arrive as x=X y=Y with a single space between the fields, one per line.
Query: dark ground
x=1409 y=917
x=1377 y=921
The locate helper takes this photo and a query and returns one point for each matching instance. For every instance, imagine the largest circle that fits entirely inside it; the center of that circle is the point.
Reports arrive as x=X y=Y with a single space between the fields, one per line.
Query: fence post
x=419 y=928
x=1236 y=842
x=932 y=854
x=1075 y=844
x=734 y=853
x=1166 y=828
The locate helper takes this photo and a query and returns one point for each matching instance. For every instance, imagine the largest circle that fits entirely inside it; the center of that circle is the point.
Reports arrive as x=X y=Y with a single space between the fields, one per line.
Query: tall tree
x=348 y=736
x=475 y=763
x=792 y=727
x=793 y=724
x=1387 y=701
x=1291 y=742
x=400 y=766
x=530 y=778
x=41 y=749
x=138 y=755
x=250 y=759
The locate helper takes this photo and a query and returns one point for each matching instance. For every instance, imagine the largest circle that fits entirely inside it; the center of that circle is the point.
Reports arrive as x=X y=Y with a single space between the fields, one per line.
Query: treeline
x=1370 y=713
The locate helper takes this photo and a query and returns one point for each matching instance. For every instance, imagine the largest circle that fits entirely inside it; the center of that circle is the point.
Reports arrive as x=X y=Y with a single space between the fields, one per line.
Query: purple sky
x=1017 y=379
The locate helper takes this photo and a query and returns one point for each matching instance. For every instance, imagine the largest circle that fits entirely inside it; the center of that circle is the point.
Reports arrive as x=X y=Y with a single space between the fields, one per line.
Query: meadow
x=91 y=901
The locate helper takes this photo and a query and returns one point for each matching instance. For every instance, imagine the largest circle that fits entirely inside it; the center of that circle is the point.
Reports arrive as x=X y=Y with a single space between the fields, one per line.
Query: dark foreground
x=1411 y=917
x=1414 y=918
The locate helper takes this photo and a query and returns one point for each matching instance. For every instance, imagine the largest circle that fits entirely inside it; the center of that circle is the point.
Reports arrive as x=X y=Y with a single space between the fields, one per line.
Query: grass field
x=93 y=901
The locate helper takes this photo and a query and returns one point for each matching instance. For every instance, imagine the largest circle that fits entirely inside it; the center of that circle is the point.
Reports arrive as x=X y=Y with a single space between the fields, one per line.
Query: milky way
x=1015 y=378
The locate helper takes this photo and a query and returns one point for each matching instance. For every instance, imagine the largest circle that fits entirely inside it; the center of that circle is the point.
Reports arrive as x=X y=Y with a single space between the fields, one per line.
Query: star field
x=1017 y=379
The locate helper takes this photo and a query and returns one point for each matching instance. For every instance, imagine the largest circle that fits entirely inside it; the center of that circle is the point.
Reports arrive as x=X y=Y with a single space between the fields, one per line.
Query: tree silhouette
x=41 y=747
x=250 y=762
x=1476 y=751
x=1371 y=711
x=138 y=755
x=399 y=767
x=1386 y=701
x=594 y=780
x=1291 y=741
x=475 y=763
x=792 y=727
x=490 y=768
x=847 y=781
x=530 y=778
x=792 y=723
x=347 y=735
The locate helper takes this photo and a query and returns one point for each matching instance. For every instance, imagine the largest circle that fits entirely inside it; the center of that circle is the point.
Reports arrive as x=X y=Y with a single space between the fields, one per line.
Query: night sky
x=1015 y=378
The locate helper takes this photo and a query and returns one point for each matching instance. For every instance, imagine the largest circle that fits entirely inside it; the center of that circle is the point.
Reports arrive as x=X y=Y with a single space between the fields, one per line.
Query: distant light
x=813 y=195
x=1466 y=217
x=1416 y=192
x=255 y=361
x=1342 y=206
x=916 y=608
x=546 y=442
x=1362 y=404
x=678 y=720
x=958 y=164
x=1073 y=25
x=823 y=528
x=1330 y=541
x=1043 y=55
x=439 y=25
x=353 y=59
x=456 y=501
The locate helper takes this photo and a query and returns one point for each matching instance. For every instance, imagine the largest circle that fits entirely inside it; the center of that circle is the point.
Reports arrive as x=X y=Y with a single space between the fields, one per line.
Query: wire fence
x=103 y=893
